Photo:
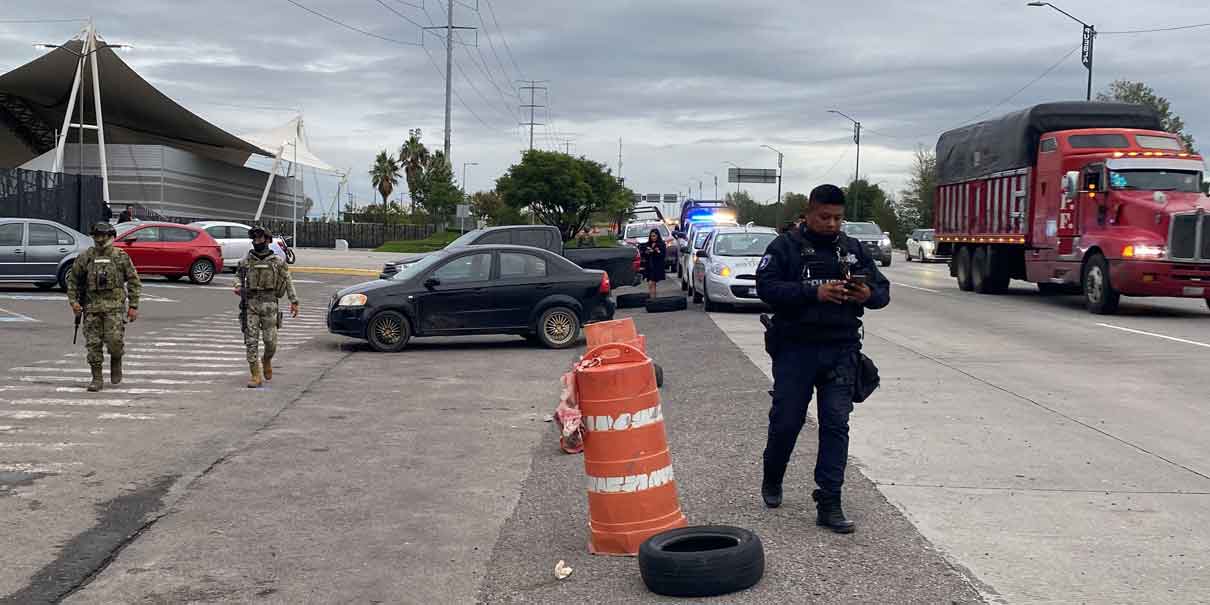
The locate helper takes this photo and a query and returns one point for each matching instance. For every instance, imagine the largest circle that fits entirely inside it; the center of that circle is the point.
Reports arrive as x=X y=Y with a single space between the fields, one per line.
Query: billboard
x=752 y=175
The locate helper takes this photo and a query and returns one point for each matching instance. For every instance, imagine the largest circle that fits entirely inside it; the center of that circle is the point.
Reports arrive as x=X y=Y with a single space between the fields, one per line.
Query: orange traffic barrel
x=631 y=489
x=605 y=332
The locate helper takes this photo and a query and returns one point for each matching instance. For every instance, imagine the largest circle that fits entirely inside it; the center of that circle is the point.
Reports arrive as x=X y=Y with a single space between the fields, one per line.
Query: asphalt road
x=1058 y=455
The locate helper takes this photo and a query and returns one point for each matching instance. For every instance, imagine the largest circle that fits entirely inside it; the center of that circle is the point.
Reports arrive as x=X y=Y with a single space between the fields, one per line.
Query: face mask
x=102 y=241
x=260 y=247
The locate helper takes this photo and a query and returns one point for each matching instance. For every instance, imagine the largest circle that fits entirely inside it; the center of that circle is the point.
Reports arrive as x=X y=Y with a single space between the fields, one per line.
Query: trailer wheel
x=962 y=262
x=1099 y=296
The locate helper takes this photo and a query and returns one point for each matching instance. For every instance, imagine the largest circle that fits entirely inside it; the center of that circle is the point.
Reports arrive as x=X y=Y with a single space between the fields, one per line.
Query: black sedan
x=475 y=290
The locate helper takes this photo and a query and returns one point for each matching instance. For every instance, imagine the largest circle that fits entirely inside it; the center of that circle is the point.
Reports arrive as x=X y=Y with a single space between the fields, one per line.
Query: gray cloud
x=687 y=85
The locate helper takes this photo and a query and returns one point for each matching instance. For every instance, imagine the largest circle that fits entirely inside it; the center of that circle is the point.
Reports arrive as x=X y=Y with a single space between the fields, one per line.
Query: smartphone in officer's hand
x=855 y=281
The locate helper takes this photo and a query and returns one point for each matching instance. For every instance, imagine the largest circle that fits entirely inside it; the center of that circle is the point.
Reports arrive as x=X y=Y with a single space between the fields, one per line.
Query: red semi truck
x=1074 y=196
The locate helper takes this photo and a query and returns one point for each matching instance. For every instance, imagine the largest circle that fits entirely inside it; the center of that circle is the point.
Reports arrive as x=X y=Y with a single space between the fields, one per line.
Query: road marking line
x=1172 y=338
x=112 y=403
x=119 y=416
x=916 y=287
x=50 y=468
x=16 y=316
x=33 y=414
x=46 y=446
x=232 y=364
x=134 y=374
x=216 y=357
x=80 y=380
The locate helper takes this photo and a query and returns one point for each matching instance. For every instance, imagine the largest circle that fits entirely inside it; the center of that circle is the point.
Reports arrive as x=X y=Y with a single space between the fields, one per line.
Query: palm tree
x=415 y=159
x=384 y=176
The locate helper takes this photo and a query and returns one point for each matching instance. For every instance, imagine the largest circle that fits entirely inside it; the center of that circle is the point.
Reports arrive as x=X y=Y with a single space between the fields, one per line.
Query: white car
x=233 y=238
x=697 y=236
x=724 y=270
x=922 y=246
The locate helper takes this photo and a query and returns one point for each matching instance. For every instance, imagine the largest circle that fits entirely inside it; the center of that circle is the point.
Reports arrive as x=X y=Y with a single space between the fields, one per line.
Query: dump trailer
x=1079 y=197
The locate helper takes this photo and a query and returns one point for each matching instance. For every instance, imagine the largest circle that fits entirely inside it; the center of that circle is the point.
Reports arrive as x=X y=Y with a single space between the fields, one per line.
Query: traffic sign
x=752 y=175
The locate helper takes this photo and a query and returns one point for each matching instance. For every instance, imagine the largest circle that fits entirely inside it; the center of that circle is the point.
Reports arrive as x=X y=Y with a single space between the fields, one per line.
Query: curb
x=334 y=271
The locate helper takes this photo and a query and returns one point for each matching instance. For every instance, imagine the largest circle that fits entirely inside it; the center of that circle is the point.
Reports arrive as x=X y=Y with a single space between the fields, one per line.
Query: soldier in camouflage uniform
x=105 y=287
x=268 y=279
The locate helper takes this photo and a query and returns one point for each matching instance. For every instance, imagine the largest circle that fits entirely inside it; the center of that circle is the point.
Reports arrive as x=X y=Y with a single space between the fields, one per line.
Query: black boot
x=770 y=486
x=830 y=514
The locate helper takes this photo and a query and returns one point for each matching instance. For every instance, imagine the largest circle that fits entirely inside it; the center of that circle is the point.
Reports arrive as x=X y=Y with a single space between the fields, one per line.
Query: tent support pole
x=71 y=106
x=268 y=184
x=96 y=93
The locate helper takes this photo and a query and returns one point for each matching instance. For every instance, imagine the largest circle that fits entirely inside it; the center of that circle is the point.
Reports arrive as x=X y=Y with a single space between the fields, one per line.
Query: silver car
x=234 y=240
x=922 y=246
x=724 y=270
x=695 y=239
x=38 y=251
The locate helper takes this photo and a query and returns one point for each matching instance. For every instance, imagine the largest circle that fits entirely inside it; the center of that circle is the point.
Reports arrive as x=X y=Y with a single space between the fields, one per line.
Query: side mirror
x=431 y=283
x=1071 y=183
x=703 y=254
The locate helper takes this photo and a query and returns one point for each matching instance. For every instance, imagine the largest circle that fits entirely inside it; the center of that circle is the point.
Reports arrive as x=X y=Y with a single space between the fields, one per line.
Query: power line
x=1022 y=89
x=507 y=49
x=458 y=96
x=492 y=44
x=350 y=27
x=1158 y=29
x=400 y=15
x=80 y=20
x=835 y=164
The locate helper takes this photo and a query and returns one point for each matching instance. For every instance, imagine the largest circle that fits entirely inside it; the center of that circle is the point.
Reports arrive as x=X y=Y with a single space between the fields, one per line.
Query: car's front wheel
x=389 y=332
x=64 y=273
x=201 y=271
x=558 y=327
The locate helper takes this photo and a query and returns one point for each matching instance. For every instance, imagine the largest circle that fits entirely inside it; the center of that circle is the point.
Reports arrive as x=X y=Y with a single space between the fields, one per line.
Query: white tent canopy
x=289 y=142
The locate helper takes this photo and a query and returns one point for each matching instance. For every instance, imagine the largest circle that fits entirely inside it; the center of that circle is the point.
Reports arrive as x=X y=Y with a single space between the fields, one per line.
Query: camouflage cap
x=258 y=231
x=103 y=228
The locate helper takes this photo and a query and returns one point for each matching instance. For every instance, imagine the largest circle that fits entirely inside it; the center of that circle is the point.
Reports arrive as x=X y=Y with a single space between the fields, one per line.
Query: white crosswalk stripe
x=134 y=374
x=113 y=403
x=81 y=380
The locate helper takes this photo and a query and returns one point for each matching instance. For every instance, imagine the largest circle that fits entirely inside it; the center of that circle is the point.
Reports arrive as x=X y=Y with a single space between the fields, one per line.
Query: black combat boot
x=770 y=486
x=98 y=379
x=115 y=369
x=830 y=514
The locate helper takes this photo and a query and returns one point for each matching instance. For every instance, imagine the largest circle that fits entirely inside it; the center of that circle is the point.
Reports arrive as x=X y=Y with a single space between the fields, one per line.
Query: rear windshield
x=861 y=229
x=641 y=231
x=1092 y=141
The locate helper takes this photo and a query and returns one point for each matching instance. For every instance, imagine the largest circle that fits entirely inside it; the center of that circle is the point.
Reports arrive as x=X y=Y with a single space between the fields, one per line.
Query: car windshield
x=742 y=244
x=465 y=239
x=926 y=236
x=409 y=270
x=699 y=236
x=861 y=229
x=641 y=231
x=1155 y=180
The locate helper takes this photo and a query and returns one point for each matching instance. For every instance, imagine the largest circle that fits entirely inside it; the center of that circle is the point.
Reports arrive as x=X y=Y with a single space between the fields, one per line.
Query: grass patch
x=435 y=241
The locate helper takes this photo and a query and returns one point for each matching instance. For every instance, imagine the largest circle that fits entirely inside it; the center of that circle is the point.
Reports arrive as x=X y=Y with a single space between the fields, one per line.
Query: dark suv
x=876 y=241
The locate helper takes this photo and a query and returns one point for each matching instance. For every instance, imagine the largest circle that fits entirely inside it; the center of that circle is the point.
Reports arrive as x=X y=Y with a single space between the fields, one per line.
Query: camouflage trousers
x=262 y=325
x=106 y=329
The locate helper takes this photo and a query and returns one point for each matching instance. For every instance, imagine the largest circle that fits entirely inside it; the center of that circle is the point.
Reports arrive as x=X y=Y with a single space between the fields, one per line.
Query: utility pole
x=780 y=155
x=449 y=28
x=856 y=140
x=532 y=88
x=620 y=178
x=1090 y=34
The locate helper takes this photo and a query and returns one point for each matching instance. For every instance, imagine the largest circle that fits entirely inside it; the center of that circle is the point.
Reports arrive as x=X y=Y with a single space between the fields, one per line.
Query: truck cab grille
x=1189 y=237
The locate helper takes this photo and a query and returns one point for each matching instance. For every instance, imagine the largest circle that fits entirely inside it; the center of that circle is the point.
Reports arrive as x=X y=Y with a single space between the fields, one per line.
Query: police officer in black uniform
x=819 y=282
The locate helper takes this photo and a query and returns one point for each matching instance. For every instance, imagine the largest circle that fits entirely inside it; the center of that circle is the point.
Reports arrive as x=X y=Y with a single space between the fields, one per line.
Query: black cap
x=258 y=231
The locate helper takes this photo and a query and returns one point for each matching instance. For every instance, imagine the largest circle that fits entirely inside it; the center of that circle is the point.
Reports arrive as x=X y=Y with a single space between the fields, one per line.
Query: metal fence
x=70 y=199
x=313 y=234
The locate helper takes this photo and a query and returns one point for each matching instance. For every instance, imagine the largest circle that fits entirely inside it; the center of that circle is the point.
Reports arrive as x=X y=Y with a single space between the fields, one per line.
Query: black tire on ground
x=632 y=301
x=659 y=375
x=886 y=262
x=702 y=561
x=173 y=277
x=998 y=276
x=665 y=304
x=1099 y=296
x=63 y=273
x=559 y=328
x=389 y=332
x=981 y=270
x=201 y=271
x=962 y=261
x=707 y=304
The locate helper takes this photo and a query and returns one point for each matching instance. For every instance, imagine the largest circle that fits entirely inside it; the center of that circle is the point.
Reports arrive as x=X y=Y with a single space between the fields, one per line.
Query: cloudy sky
x=687 y=85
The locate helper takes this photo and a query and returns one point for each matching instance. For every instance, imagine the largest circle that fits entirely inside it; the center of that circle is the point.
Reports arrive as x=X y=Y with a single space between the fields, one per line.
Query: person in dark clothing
x=655 y=255
x=127 y=215
x=818 y=282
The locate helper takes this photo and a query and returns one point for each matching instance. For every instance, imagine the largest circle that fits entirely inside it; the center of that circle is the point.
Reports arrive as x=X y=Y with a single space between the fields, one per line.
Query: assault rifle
x=243 y=299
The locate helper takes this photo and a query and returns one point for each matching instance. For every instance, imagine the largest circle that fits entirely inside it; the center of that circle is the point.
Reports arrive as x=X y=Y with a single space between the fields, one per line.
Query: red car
x=172 y=250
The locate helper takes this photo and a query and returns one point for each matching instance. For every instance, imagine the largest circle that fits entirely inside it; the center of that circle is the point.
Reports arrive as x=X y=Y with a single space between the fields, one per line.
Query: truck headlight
x=1144 y=251
x=352 y=300
x=721 y=270
x=885 y=242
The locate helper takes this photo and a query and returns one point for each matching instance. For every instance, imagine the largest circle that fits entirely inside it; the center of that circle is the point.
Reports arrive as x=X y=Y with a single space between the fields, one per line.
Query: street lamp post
x=466 y=193
x=708 y=173
x=1090 y=34
x=780 y=155
x=736 y=167
x=856 y=141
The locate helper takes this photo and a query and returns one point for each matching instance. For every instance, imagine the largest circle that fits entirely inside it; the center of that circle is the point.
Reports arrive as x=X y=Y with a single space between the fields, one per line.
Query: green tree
x=917 y=201
x=439 y=196
x=415 y=158
x=749 y=210
x=793 y=204
x=489 y=204
x=563 y=191
x=384 y=175
x=1139 y=93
